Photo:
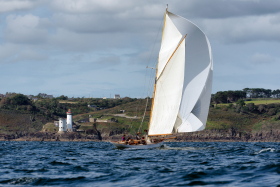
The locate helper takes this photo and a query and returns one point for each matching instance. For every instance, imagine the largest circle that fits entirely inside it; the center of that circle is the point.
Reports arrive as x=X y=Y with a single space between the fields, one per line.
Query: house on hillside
x=83 y=120
x=43 y=95
x=103 y=120
x=117 y=96
x=92 y=106
x=10 y=94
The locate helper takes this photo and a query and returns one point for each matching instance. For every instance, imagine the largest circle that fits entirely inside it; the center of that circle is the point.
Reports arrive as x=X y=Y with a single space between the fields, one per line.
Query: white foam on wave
x=23 y=180
x=266 y=150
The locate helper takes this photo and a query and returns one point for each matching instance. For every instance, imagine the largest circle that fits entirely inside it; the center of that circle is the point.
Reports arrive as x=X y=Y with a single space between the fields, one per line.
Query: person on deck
x=123 y=138
x=137 y=136
x=143 y=141
x=127 y=140
x=146 y=136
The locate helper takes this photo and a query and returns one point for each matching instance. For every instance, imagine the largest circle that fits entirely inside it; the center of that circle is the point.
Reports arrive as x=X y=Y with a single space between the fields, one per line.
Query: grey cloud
x=12 y=5
x=145 y=57
x=189 y=8
x=31 y=55
x=261 y=59
x=24 y=29
x=95 y=6
x=110 y=23
x=25 y=55
x=109 y=60
x=224 y=9
x=68 y=41
x=7 y=51
x=243 y=29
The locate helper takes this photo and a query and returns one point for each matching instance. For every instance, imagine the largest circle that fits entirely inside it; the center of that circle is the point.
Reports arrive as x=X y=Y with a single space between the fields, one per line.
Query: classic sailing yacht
x=183 y=83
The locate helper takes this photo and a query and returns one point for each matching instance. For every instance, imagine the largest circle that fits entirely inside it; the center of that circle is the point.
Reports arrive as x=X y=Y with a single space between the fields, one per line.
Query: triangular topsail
x=183 y=89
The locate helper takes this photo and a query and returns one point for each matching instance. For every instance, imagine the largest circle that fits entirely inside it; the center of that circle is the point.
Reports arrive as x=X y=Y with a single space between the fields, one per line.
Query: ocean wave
x=173 y=164
x=265 y=150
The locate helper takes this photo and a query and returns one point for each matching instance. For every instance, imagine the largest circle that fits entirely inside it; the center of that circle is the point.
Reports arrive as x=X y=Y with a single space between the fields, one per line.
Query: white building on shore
x=62 y=125
x=117 y=96
x=65 y=125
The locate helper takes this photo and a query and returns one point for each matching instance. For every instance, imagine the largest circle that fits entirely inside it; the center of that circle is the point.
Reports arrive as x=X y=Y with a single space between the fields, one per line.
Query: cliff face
x=230 y=135
x=224 y=124
x=47 y=136
x=12 y=121
x=203 y=136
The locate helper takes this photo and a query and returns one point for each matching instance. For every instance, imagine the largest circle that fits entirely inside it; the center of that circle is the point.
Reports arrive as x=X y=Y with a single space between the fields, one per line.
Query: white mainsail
x=184 y=79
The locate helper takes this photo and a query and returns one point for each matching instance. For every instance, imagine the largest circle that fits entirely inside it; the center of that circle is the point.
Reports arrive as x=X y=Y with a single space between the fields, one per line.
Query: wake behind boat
x=183 y=82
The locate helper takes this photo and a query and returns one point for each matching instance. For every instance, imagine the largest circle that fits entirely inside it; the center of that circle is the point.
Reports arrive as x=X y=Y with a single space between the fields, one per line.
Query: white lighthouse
x=69 y=120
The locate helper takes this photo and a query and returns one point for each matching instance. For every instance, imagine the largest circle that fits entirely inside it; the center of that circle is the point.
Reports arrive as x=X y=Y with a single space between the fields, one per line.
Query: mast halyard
x=157 y=71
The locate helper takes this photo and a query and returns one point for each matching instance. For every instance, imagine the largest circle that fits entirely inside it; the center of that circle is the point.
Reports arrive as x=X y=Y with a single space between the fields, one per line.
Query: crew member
x=123 y=138
x=146 y=136
x=143 y=141
x=127 y=140
x=137 y=136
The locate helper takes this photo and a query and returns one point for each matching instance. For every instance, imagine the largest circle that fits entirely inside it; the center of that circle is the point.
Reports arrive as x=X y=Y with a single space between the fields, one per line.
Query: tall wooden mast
x=157 y=71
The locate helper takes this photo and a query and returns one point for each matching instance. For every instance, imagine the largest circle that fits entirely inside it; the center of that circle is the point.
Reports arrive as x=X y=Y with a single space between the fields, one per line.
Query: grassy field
x=50 y=127
x=258 y=102
x=221 y=118
x=12 y=121
x=65 y=101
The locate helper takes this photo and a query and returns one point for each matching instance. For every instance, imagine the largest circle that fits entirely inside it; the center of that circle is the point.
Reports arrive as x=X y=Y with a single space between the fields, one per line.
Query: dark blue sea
x=174 y=164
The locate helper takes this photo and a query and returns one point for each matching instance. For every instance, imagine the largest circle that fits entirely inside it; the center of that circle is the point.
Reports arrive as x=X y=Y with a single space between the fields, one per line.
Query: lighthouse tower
x=69 y=120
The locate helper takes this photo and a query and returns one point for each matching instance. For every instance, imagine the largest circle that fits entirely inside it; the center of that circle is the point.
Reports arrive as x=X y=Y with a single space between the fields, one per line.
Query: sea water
x=174 y=164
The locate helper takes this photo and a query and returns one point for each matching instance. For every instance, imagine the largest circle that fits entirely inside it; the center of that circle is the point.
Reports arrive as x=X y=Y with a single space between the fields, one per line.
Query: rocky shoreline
x=202 y=136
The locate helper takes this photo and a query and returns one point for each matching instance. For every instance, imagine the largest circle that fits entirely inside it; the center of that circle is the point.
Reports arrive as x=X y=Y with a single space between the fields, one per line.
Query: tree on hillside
x=267 y=93
x=240 y=102
x=247 y=92
x=233 y=96
x=276 y=93
x=62 y=97
x=20 y=99
x=220 y=97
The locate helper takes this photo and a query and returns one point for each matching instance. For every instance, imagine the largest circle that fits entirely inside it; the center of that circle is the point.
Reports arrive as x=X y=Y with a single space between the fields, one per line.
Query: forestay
x=184 y=78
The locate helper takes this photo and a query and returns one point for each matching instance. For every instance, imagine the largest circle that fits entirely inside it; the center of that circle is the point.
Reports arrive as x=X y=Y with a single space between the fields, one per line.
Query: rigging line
x=150 y=85
x=151 y=56
x=149 y=88
x=149 y=82
x=137 y=106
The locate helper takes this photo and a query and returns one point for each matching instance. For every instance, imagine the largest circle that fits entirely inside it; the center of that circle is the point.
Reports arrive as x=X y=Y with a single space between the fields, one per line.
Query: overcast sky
x=101 y=47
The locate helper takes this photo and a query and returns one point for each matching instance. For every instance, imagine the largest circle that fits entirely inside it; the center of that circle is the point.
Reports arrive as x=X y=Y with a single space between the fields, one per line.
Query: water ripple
x=174 y=164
